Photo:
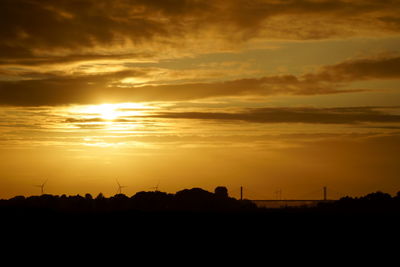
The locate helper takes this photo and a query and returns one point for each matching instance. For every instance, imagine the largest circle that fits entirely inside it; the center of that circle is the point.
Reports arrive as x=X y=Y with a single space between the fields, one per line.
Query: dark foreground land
x=191 y=204
x=197 y=220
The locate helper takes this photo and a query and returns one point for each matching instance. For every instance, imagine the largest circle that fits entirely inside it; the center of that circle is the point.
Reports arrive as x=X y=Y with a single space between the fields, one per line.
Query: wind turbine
x=41 y=186
x=156 y=187
x=119 y=191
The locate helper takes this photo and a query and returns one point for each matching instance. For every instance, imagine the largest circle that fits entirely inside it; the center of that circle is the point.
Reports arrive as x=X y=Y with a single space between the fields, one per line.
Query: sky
x=273 y=95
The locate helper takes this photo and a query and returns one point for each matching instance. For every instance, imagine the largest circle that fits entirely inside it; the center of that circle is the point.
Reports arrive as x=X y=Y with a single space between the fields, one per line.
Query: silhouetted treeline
x=192 y=216
x=195 y=199
x=378 y=202
x=190 y=200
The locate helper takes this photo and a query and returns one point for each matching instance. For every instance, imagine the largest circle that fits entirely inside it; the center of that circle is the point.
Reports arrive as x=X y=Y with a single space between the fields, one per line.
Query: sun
x=110 y=112
x=104 y=111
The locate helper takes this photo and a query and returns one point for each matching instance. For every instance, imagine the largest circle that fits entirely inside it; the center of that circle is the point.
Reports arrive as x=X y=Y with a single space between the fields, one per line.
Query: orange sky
x=265 y=94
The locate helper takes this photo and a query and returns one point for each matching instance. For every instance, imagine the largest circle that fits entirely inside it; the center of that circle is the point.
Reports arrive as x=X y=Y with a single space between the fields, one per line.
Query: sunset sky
x=271 y=95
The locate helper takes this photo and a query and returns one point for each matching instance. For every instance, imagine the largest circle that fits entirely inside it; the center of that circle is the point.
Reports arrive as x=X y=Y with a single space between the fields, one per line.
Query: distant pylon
x=325 y=193
x=241 y=193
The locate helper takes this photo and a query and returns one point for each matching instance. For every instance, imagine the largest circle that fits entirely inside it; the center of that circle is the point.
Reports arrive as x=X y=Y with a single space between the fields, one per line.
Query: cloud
x=87 y=89
x=54 y=88
x=74 y=59
x=382 y=67
x=344 y=115
x=43 y=27
x=78 y=52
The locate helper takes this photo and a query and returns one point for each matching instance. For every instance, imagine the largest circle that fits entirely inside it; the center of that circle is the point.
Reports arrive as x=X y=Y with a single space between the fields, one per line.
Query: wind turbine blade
x=157 y=185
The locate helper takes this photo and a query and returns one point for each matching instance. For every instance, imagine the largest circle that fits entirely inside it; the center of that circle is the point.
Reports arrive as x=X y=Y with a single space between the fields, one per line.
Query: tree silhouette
x=221 y=191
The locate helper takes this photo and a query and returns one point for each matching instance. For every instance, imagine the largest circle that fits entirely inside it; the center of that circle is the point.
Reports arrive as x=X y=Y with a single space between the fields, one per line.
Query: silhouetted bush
x=221 y=191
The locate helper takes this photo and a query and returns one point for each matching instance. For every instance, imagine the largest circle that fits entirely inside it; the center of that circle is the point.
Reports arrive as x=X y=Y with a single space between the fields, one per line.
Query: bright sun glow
x=110 y=111
x=105 y=111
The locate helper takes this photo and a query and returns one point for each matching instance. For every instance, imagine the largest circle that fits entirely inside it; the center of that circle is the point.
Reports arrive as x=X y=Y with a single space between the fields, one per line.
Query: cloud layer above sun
x=82 y=52
x=36 y=27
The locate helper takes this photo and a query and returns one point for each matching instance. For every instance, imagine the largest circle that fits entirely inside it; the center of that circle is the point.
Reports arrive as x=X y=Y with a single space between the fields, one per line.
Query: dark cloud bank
x=339 y=115
x=345 y=115
x=56 y=89
x=43 y=32
x=29 y=25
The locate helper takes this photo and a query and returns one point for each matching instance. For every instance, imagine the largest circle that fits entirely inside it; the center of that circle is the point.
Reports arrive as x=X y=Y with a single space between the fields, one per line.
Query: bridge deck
x=288 y=203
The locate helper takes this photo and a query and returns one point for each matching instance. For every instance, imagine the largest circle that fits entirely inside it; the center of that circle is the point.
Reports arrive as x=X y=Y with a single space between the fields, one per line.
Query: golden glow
x=134 y=80
x=264 y=100
x=110 y=111
x=105 y=111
